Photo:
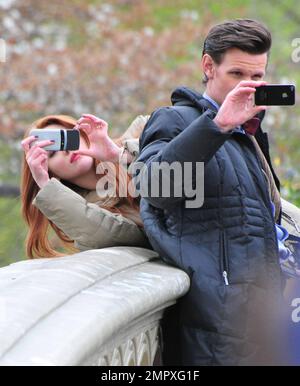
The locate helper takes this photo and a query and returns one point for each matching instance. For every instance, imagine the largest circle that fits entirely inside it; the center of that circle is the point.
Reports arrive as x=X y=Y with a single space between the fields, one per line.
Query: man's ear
x=207 y=66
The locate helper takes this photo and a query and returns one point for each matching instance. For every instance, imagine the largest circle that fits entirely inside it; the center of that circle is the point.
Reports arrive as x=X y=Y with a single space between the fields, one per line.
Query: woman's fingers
x=39 y=146
x=87 y=127
x=38 y=160
x=31 y=142
x=34 y=152
x=91 y=117
x=84 y=120
x=39 y=168
x=43 y=143
x=27 y=141
x=92 y=120
x=84 y=124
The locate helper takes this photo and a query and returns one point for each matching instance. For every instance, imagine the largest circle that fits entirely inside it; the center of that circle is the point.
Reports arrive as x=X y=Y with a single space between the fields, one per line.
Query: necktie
x=251 y=125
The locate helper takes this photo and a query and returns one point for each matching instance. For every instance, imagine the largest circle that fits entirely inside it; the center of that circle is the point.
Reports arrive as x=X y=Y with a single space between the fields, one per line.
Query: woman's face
x=65 y=165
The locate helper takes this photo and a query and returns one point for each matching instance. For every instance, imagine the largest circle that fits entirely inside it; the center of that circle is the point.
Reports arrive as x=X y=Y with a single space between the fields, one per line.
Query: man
x=228 y=246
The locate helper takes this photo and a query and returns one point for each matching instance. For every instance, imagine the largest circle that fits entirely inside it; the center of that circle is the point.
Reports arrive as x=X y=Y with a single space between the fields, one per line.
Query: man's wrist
x=224 y=128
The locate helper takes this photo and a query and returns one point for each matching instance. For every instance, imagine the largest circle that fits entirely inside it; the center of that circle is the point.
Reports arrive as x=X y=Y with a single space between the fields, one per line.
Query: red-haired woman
x=58 y=189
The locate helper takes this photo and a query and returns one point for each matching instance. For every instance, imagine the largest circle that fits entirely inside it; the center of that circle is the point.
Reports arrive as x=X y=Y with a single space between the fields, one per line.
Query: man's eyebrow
x=233 y=69
x=236 y=69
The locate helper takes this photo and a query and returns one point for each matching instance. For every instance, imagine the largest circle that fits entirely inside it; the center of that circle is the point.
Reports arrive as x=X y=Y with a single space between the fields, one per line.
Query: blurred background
x=118 y=59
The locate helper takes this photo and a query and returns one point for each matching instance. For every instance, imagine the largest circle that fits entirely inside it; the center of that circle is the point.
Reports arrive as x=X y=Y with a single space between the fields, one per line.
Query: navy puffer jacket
x=229 y=320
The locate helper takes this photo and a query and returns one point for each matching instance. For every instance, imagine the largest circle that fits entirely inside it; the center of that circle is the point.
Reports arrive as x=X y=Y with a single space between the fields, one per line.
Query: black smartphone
x=275 y=95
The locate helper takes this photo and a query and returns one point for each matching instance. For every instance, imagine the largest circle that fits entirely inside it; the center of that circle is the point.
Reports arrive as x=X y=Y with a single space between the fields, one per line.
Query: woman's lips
x=74 y=157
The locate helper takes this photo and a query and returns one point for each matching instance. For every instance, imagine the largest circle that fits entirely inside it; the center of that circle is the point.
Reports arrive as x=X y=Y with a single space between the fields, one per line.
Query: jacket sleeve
x=89 y=225
x=136 y=127
x=167 y=138
x=132 y=146
x=130 y=139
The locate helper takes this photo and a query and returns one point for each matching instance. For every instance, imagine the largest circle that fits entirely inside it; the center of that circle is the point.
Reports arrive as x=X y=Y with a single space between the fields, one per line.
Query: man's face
x=236 y=66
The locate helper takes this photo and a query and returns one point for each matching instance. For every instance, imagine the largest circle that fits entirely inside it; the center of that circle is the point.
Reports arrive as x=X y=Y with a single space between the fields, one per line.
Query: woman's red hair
x=37 y=241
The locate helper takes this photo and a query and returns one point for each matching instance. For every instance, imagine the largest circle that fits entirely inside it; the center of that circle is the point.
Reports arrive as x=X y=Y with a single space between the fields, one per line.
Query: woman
x=58 y=189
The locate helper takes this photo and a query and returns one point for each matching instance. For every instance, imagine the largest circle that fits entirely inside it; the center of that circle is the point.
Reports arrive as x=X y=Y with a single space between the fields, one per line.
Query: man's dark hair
x=245 y=34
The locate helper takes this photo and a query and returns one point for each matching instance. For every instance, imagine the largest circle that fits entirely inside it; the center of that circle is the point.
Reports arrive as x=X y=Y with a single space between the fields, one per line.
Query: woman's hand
x=101 y=147
x=37 y=159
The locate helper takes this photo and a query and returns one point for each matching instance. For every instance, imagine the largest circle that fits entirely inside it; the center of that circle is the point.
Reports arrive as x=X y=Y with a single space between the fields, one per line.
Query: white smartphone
x=64 y=139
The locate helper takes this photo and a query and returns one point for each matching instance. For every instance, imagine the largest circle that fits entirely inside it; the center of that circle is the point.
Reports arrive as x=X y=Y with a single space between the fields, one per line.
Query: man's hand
x=238 y=106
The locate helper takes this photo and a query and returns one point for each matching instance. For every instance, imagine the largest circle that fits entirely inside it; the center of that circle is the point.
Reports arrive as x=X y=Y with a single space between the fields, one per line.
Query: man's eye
x=237 y=73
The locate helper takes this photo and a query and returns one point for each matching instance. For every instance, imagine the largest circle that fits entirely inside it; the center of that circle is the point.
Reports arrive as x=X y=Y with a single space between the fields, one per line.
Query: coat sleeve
x=167 y=138
x=89 y=225
x=136 y=127
x=130 y=139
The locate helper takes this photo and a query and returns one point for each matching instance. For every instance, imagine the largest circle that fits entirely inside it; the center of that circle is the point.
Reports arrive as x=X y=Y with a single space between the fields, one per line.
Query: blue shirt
x=216 y=105
x=281 y=232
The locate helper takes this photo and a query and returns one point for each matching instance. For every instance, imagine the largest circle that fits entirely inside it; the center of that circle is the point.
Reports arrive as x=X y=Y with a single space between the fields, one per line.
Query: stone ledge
x=79 y=309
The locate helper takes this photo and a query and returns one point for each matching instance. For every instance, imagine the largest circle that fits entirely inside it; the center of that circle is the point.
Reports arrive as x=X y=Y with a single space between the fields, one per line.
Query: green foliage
x=293 y=194
x=12 y=231
x=121 y=58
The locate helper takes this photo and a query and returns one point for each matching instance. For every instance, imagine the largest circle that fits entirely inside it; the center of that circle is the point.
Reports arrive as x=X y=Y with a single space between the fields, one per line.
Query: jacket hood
x=184 y=96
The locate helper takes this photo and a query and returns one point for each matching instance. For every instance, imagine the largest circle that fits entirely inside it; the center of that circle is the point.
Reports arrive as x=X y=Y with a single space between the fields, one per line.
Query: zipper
x=223 y=251
x=225 y=277
x=224 y=259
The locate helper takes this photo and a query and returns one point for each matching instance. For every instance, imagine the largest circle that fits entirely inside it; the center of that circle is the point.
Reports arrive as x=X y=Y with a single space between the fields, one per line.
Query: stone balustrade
x=98 y=307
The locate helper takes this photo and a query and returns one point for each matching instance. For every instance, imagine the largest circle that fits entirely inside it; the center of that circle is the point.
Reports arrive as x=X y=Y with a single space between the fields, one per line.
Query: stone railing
x=98 y=307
